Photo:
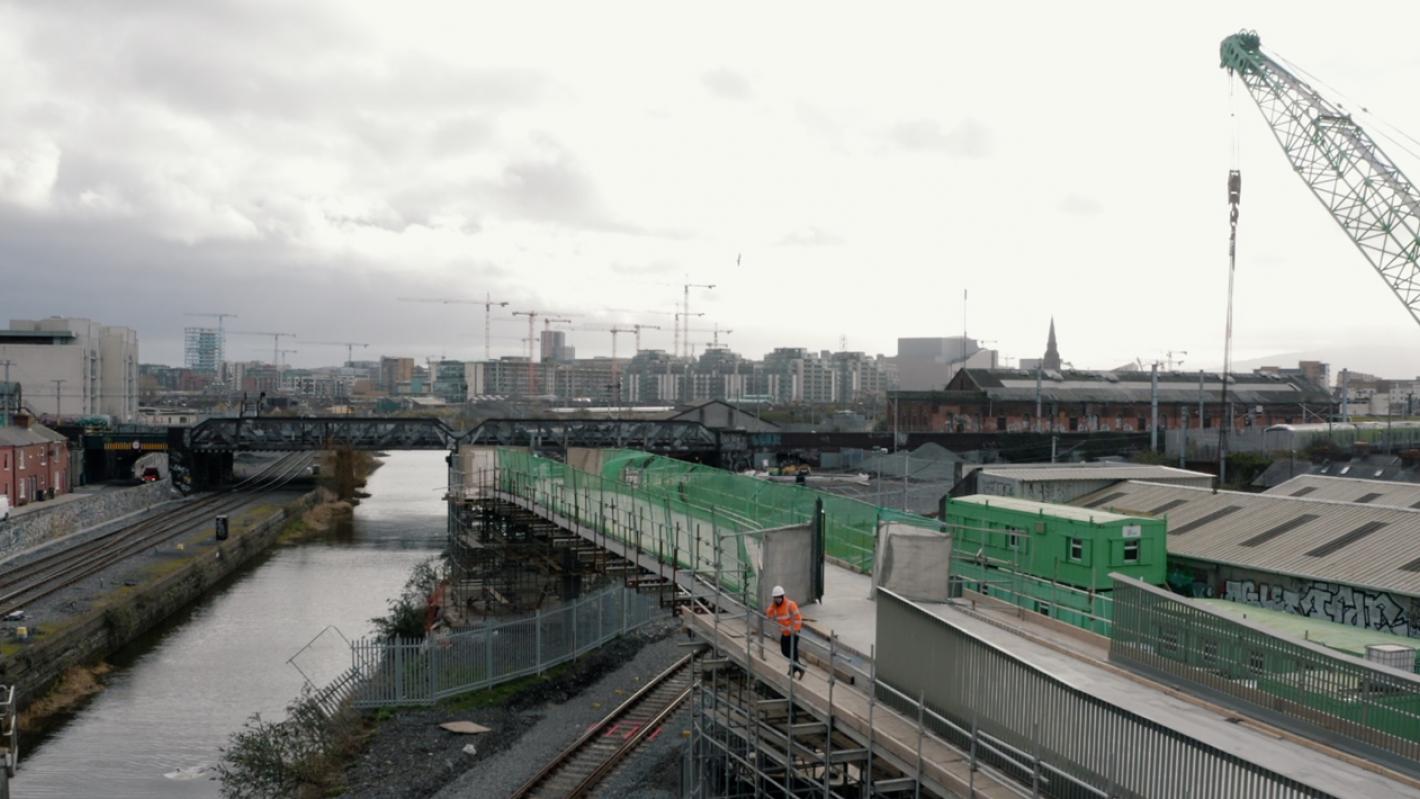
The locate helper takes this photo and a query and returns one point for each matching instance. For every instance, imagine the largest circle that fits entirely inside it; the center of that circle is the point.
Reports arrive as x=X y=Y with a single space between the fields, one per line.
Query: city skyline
x=279 y=176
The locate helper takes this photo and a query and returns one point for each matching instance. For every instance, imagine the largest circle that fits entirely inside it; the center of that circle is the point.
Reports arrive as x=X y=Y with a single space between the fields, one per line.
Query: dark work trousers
x=789 y=646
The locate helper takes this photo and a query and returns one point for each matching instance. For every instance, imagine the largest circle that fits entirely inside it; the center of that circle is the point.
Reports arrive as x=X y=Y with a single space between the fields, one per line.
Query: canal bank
x=177 y=693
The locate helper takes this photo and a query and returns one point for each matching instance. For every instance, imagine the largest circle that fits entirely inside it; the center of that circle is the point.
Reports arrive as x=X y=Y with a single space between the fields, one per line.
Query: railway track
x=36 y=579
x=584 y=764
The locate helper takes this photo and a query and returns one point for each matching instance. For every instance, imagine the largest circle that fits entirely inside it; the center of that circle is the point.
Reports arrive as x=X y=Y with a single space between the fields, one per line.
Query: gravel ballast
x=409 y=755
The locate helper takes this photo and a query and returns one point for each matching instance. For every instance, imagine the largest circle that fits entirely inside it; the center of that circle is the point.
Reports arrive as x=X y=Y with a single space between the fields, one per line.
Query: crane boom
x=1365 y=192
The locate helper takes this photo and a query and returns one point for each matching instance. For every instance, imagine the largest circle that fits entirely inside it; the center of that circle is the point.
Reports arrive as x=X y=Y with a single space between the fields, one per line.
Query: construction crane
x=638 y=328
x=488 y=304
x=715 y=331
x=533 y=316
x=682 y=319
x=348 y=345
x=1367 y=195
x=685 y=303
x=275 y=341
x=283 y=354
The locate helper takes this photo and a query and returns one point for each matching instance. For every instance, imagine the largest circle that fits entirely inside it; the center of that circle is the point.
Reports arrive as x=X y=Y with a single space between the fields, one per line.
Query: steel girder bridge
x=201 y=456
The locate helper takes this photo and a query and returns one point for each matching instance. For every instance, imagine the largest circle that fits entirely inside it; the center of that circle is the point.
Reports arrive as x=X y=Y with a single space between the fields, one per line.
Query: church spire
x=1052 y=353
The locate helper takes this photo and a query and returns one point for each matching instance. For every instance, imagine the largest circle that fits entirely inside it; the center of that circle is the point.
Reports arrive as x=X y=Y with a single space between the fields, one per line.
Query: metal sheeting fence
x=1079 y=745
x=1370 y=709
x=421 y=672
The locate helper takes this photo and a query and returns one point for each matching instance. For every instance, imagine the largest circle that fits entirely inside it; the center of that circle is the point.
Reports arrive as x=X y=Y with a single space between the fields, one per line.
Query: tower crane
x=638 y=328
x=533 y=316
x=685 y=305
x=1365 y=192
x=683 y=319
x=348 y=345
x=715 y=331
x=488 y=304
x=275 y=341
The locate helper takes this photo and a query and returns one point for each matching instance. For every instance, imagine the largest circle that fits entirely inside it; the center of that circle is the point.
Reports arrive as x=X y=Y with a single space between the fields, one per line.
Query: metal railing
x=1367 y=708
x=421 y=672
x=1089 y=610
x=1054 y=736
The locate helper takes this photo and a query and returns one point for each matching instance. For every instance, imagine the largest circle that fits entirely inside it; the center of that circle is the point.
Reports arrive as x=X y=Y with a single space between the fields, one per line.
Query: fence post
x=537 y=637
x=625 y=600
x=398 y=670
x=488 y=654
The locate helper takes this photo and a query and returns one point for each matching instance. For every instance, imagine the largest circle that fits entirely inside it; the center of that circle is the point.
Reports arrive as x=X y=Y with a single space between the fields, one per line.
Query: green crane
x=1365 y=192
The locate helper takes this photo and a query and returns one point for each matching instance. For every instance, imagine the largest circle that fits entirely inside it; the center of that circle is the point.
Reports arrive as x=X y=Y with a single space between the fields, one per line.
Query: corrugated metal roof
x=1088 y=471
x=1031 y=506
x=1133 y=387
x=1339 y=543
x=1349 y=489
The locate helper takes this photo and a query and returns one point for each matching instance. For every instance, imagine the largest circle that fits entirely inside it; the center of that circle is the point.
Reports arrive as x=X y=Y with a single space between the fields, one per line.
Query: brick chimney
x=21 y=420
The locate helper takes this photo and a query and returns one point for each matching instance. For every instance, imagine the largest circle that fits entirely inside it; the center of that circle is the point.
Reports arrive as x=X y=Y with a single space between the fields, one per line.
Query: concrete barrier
x=912 y=562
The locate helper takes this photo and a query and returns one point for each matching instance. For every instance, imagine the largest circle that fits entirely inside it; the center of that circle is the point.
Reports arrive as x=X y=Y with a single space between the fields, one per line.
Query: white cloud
x=28 y=172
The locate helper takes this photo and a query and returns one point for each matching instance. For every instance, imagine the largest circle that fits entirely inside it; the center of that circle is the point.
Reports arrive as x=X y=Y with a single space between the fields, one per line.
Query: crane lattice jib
x=1367 y=195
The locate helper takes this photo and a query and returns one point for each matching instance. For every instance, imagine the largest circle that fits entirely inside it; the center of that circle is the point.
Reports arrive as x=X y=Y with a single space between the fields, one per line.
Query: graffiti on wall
x=1342 y=604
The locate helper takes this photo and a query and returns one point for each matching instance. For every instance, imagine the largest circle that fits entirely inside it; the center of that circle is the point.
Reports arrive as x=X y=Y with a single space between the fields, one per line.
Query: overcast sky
x=303 y=165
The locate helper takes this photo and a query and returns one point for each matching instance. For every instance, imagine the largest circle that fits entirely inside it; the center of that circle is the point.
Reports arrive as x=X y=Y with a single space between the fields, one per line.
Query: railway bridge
x=200 y=457
x=909 y=692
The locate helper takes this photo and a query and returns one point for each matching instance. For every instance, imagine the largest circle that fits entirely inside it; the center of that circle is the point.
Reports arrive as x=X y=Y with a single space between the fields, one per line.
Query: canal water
x=174 y=697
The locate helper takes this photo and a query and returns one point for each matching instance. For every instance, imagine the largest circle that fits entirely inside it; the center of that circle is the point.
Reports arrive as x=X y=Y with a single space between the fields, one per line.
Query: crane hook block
x=1234 y=186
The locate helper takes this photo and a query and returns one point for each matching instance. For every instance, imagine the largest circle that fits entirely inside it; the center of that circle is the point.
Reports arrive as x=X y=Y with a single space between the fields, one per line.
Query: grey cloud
x=107 y=270
x=1080 y=205
x=969 y=139
x=727 y=84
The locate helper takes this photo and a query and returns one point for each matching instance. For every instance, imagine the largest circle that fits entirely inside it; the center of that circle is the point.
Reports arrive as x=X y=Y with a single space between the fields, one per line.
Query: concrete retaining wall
x=102 y=631
x=45 y=524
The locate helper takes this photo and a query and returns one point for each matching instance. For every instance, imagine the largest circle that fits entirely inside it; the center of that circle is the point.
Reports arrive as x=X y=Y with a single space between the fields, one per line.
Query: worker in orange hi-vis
x=786 y=611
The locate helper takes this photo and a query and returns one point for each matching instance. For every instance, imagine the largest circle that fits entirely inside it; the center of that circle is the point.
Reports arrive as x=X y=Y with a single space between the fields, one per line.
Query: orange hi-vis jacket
x=788 y=616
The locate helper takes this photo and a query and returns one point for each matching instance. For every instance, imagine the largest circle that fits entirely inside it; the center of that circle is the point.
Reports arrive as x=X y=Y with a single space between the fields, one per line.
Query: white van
x=4 y=507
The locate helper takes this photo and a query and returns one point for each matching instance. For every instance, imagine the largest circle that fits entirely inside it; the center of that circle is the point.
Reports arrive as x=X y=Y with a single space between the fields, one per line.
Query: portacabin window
x=1077 y=549
x=1017 y=540
x=1131 y=551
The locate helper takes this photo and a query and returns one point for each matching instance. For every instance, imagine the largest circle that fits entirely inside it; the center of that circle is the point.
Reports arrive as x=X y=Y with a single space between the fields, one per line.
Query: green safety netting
x=679 y=506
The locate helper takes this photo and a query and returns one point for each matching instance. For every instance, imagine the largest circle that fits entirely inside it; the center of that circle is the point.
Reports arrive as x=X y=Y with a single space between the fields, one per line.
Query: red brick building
x=34 y=461
x=1016 y=401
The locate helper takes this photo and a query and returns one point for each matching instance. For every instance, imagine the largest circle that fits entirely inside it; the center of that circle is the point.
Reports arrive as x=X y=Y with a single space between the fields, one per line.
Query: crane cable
x=1343 y=100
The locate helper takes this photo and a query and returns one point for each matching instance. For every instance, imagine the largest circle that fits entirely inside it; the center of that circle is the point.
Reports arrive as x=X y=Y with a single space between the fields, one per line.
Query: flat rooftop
x=36 y=337
x=1343 y=637
x=1078 y=514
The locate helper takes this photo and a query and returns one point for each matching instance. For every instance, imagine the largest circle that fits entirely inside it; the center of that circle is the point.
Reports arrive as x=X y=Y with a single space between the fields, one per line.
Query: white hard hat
x=778 y=591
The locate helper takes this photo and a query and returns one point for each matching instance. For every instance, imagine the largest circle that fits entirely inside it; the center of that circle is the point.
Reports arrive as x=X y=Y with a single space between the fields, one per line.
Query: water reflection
x=175 y=696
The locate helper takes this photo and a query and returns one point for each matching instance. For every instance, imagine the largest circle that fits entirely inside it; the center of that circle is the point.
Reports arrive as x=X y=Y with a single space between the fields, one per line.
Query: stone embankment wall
x=131 y=611
x=44 y=524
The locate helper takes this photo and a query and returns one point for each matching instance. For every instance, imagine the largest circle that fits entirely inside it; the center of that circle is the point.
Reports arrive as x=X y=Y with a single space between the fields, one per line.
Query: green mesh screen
x=674 y=502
